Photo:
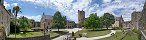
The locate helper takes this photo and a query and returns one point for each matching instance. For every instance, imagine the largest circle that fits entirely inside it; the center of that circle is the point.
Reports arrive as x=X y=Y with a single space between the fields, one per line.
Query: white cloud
x=128 y=7
x=70 y=8
x=36 y=18
x=107 y=1
x=14 y=4
x=66 y=7
x=6 y=4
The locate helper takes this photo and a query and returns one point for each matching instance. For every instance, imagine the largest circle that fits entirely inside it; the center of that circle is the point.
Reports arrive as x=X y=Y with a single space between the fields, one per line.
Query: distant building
x=119 y=22
x=32 y=23
x=70 y=24
x=46 y=21
x=5 y=17
x=44 y=24
x=128 y=24
x=37 y=24
x=81 y=17
x=135 y=19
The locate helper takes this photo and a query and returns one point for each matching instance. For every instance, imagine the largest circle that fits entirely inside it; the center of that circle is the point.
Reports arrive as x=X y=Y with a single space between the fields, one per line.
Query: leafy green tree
x=108 y=19
x=92 y=22
x=59 y=21
x=24 y=23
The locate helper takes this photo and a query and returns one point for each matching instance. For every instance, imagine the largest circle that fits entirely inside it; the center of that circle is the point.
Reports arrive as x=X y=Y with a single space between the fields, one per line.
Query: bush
x=73 y=34
x=12 y=28
x=80 y=35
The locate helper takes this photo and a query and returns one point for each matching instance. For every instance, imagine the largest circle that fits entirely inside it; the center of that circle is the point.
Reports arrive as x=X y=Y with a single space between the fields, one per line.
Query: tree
x=13 y=25
x=92 y=22
x=108 y=19
x=24 y=23
x=16 y=10
x=59 y=21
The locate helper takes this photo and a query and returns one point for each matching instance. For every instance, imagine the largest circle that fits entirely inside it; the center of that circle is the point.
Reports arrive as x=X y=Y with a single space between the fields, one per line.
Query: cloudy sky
x=33 y=9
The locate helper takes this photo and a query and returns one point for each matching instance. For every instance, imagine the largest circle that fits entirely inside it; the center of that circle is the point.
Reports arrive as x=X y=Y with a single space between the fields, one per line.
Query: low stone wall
x=47 y=37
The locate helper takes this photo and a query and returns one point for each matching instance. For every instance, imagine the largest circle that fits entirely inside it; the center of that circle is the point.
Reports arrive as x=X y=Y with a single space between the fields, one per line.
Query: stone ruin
x=2 y=33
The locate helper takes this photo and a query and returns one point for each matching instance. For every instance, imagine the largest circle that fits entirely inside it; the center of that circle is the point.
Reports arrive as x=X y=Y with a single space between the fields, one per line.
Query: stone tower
x=81 y=17
x=2 y=2
x=143 y=18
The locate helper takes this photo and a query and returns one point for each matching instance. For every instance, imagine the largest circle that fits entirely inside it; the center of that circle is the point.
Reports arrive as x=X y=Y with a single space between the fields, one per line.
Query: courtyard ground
x=119 y=35
x=32 y=34
x=92 y=33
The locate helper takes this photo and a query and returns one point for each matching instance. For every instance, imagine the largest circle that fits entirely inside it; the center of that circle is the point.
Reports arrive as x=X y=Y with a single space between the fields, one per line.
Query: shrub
x=80 y=35
x=73 y=34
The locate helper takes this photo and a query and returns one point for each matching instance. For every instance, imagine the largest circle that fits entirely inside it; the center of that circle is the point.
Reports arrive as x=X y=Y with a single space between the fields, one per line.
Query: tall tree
x=59 y=21
x=16 y=10
x=24 y=23
x=92 y=22
x=108 y=20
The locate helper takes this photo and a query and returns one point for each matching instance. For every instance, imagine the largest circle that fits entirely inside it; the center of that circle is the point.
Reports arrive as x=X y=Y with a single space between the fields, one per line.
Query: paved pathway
x=65 y=36
x=143 y=32
x=98 y=37
x=83 y=38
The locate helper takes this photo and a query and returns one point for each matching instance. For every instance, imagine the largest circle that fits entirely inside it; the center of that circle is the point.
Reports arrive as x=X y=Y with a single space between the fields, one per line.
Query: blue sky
x=33 y=9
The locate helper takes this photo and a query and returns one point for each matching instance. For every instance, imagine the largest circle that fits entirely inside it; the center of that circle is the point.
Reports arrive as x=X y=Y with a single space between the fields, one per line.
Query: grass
x=31 y=34
x=117 y=36
x=53 y=34
x=28 y=34
x=91 y=33
x=131 y=37
x=120 y=35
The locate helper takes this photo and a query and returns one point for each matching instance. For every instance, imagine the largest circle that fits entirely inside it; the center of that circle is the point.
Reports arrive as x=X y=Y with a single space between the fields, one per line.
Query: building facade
x=128 y=24
x=81 y=18
x=37 y=24
x=4 y=17
x=32 y=23
x=135 y=19
x=46 y=22
x=70 y=24
x=144 y=16
x=119 y=22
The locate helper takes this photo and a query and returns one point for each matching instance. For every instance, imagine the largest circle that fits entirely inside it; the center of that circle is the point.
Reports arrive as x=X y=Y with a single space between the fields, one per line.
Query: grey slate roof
x=47 y=17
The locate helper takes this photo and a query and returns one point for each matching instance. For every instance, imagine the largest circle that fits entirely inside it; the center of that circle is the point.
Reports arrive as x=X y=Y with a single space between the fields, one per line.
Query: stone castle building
x=143 y=18
x=135 y=19
x=46 y=22
x=119 y=22
x=81 y=17
x=5 y=16
x=139 y=18
x=2 y=33
x=70 y=24
x=32 y=23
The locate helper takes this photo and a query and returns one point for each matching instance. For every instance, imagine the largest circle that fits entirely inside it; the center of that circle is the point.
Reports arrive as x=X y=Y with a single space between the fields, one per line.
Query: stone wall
x=47 y=37
x=135 y=19
x=2 y=33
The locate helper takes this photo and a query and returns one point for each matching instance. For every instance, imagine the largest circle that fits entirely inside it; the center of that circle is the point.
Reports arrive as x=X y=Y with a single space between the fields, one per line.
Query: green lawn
x=117 y=36
x=120 y=35
x=92 y=33
x=31 y=34
x=53 y=34
x=28 y=34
